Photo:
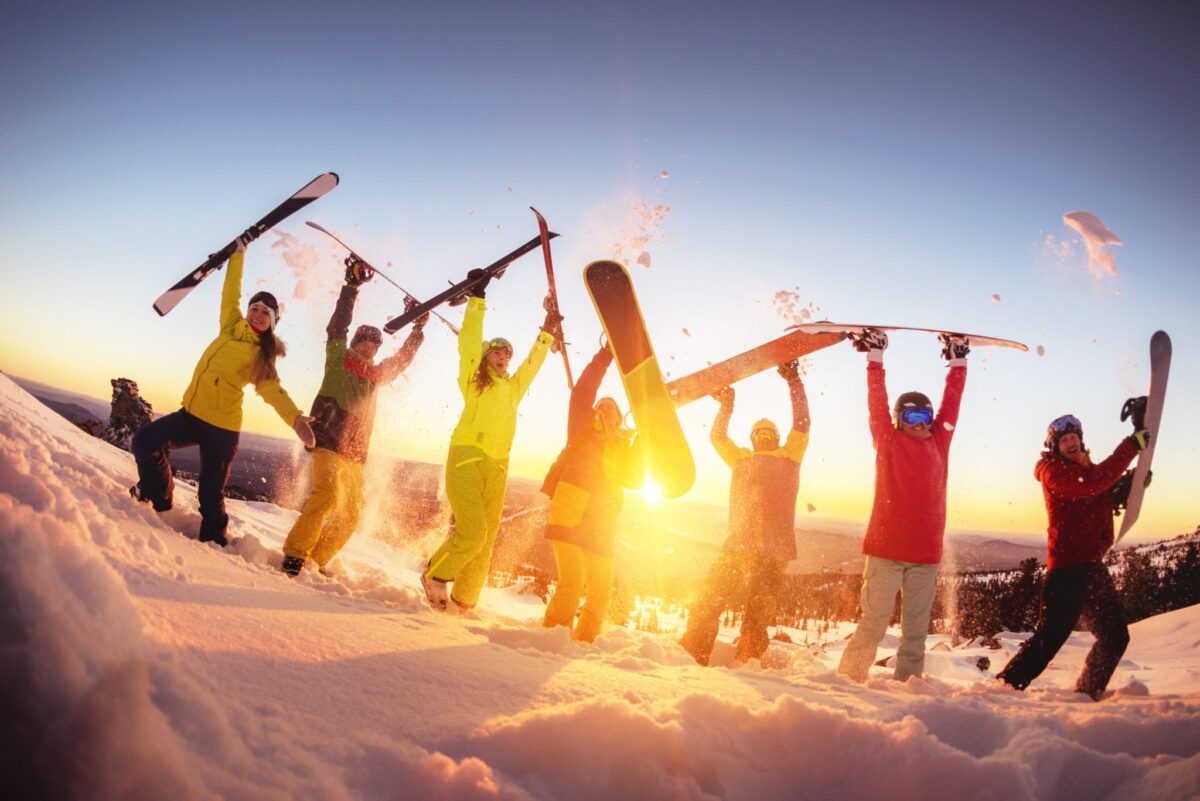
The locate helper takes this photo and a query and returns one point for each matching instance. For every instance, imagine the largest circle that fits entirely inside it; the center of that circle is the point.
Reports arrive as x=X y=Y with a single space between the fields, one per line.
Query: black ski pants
x=152 y=447
x=1070 y=593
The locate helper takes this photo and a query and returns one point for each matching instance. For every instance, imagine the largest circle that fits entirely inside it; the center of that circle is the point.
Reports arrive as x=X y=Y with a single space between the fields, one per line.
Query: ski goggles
x=914 y=417
x=1067 y=422
x=496 y=344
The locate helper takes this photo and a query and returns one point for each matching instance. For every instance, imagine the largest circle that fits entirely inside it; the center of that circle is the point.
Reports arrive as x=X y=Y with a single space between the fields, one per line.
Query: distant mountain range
x=660 y=543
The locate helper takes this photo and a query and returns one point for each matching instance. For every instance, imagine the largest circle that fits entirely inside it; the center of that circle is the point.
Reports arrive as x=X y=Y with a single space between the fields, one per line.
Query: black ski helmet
x=1065 y=424
x=911 y=400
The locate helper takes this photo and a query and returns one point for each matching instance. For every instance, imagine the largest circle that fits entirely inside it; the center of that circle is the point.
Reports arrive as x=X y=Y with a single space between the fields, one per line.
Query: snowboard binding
x=1135 y=408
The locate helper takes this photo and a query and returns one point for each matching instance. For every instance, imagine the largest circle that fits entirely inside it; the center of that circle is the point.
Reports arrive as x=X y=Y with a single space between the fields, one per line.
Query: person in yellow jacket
x=585 y=486
x=244 y=352
x=477 y=464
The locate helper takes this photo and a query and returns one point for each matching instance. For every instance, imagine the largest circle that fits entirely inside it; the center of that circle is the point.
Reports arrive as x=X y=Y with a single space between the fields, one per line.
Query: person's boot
x=436 y=592
x=292 y=565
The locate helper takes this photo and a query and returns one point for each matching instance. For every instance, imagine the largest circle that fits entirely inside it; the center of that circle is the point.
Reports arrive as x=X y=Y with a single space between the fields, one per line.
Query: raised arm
x=343 y=311
x=391 y=367
x=525 y=374
x=231 y=290
x=724 y=446
x=470 y=342
x=583 y=397
x=1064 y=482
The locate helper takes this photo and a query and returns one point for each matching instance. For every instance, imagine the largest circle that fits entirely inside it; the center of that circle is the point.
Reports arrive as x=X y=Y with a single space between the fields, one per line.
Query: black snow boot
x=292 y=565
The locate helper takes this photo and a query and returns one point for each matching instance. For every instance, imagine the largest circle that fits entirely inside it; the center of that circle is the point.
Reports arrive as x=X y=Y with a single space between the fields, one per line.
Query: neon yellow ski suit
x=477 y=464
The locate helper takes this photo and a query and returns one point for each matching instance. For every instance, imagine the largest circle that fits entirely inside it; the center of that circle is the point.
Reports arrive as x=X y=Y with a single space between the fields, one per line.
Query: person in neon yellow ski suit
x=477 y=463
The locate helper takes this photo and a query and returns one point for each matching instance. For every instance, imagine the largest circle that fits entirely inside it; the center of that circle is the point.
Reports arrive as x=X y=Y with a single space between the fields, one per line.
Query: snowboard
x=771 y=354
x=544 y=233
x=668 y=458
x=457 y=293
x=314 y=189
x=407 y=295
x=1160 y=367
x=974 y=340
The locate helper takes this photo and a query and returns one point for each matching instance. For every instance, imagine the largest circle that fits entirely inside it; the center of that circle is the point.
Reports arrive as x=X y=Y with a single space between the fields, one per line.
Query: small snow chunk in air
x=995 y=298
x=644 y=259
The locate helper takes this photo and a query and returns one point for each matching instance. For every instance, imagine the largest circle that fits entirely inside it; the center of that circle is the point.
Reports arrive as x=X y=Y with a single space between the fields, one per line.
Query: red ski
x=544 y=232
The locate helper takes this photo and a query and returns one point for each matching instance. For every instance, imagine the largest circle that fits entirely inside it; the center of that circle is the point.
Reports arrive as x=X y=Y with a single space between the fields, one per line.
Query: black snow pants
x=1070 y=593
x=151 y=448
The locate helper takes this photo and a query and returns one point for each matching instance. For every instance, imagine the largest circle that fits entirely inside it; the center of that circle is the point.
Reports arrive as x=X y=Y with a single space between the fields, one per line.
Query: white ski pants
x=882 y=578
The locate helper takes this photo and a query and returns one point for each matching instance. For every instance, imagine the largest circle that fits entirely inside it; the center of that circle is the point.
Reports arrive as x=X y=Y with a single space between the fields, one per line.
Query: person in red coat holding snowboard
x=1079 y=503
x=903 y=545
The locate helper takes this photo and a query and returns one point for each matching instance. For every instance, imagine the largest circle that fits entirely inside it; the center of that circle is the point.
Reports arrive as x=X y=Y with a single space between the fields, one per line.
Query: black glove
x=790 y=371
x=954 y=347
x=358 y=272
x=478 y=290
x=869 y=340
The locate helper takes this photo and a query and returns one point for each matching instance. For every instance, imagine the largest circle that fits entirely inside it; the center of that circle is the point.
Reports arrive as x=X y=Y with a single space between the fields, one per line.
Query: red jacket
x=1078 y=505
x=908 y=518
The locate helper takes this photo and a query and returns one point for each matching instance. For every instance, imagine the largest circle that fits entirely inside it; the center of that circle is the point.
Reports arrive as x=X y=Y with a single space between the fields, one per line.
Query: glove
x=1141 y=439
x=954 y=347
x=478 y=289
x=245 y=238
x=553 y=323
x=358 y=272
x=790 y=371
x=871 y=342
x=724 y=396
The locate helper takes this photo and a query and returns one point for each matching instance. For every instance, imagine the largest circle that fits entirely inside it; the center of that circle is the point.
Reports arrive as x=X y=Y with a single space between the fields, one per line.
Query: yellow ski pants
x=331 y=512
x=475 y=488
x=580 y=573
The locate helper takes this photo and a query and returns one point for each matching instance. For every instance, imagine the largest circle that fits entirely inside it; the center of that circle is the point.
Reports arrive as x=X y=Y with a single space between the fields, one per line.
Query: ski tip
x=161 y=312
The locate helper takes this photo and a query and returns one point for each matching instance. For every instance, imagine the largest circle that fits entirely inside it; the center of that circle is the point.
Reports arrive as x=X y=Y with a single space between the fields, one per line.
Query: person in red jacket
x=762 y=526
x=1079 y=505
x=586 y=487
x=903 y=545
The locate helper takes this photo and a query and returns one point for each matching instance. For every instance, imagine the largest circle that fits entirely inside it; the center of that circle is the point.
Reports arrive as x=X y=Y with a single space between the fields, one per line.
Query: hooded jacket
x=1078 y=506
x=215 y=394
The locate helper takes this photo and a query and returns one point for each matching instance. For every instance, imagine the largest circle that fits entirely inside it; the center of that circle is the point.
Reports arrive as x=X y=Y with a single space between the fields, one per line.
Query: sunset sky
x=888 y=164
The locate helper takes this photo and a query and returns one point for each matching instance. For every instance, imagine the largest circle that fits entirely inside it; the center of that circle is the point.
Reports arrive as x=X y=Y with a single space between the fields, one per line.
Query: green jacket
x=344 y=409
x=215 y=393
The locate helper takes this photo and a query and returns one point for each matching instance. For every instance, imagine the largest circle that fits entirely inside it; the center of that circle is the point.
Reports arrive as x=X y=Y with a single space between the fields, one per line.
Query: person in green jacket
x=477 y=464
x=244 y=352
x=343 y=416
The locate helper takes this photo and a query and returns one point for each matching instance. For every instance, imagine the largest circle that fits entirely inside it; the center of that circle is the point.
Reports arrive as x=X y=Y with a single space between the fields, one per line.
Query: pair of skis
x=457 y=293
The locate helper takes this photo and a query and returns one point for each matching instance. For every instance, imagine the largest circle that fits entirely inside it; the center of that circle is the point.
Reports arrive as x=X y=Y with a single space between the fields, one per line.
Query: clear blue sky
x=892 y=163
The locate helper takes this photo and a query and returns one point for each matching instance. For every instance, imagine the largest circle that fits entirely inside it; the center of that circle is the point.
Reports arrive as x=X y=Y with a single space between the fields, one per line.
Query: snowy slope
x=139 y=663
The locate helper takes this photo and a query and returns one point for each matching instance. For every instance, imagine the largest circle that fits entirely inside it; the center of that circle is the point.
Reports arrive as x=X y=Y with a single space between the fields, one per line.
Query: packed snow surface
x=140 y=663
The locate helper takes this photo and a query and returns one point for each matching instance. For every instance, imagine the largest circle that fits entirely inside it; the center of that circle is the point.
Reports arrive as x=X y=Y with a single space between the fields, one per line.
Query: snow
x=140 y=663
x=1097 y=238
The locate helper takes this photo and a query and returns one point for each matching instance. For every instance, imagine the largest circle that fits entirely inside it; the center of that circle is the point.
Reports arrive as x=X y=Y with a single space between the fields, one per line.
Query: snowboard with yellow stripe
x=668 y=459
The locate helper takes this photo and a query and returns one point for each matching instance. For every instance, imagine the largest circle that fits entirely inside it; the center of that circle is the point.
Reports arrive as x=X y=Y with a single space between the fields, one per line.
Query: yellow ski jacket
x=215 y=394
x=489 y=418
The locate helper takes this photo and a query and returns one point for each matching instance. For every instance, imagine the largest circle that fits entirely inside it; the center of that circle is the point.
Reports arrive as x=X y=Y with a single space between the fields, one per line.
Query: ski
x=543 y=232
x=314 y=189
x=458 y=292
x=660 y=436
x=407 y=295
x=1160 y=368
